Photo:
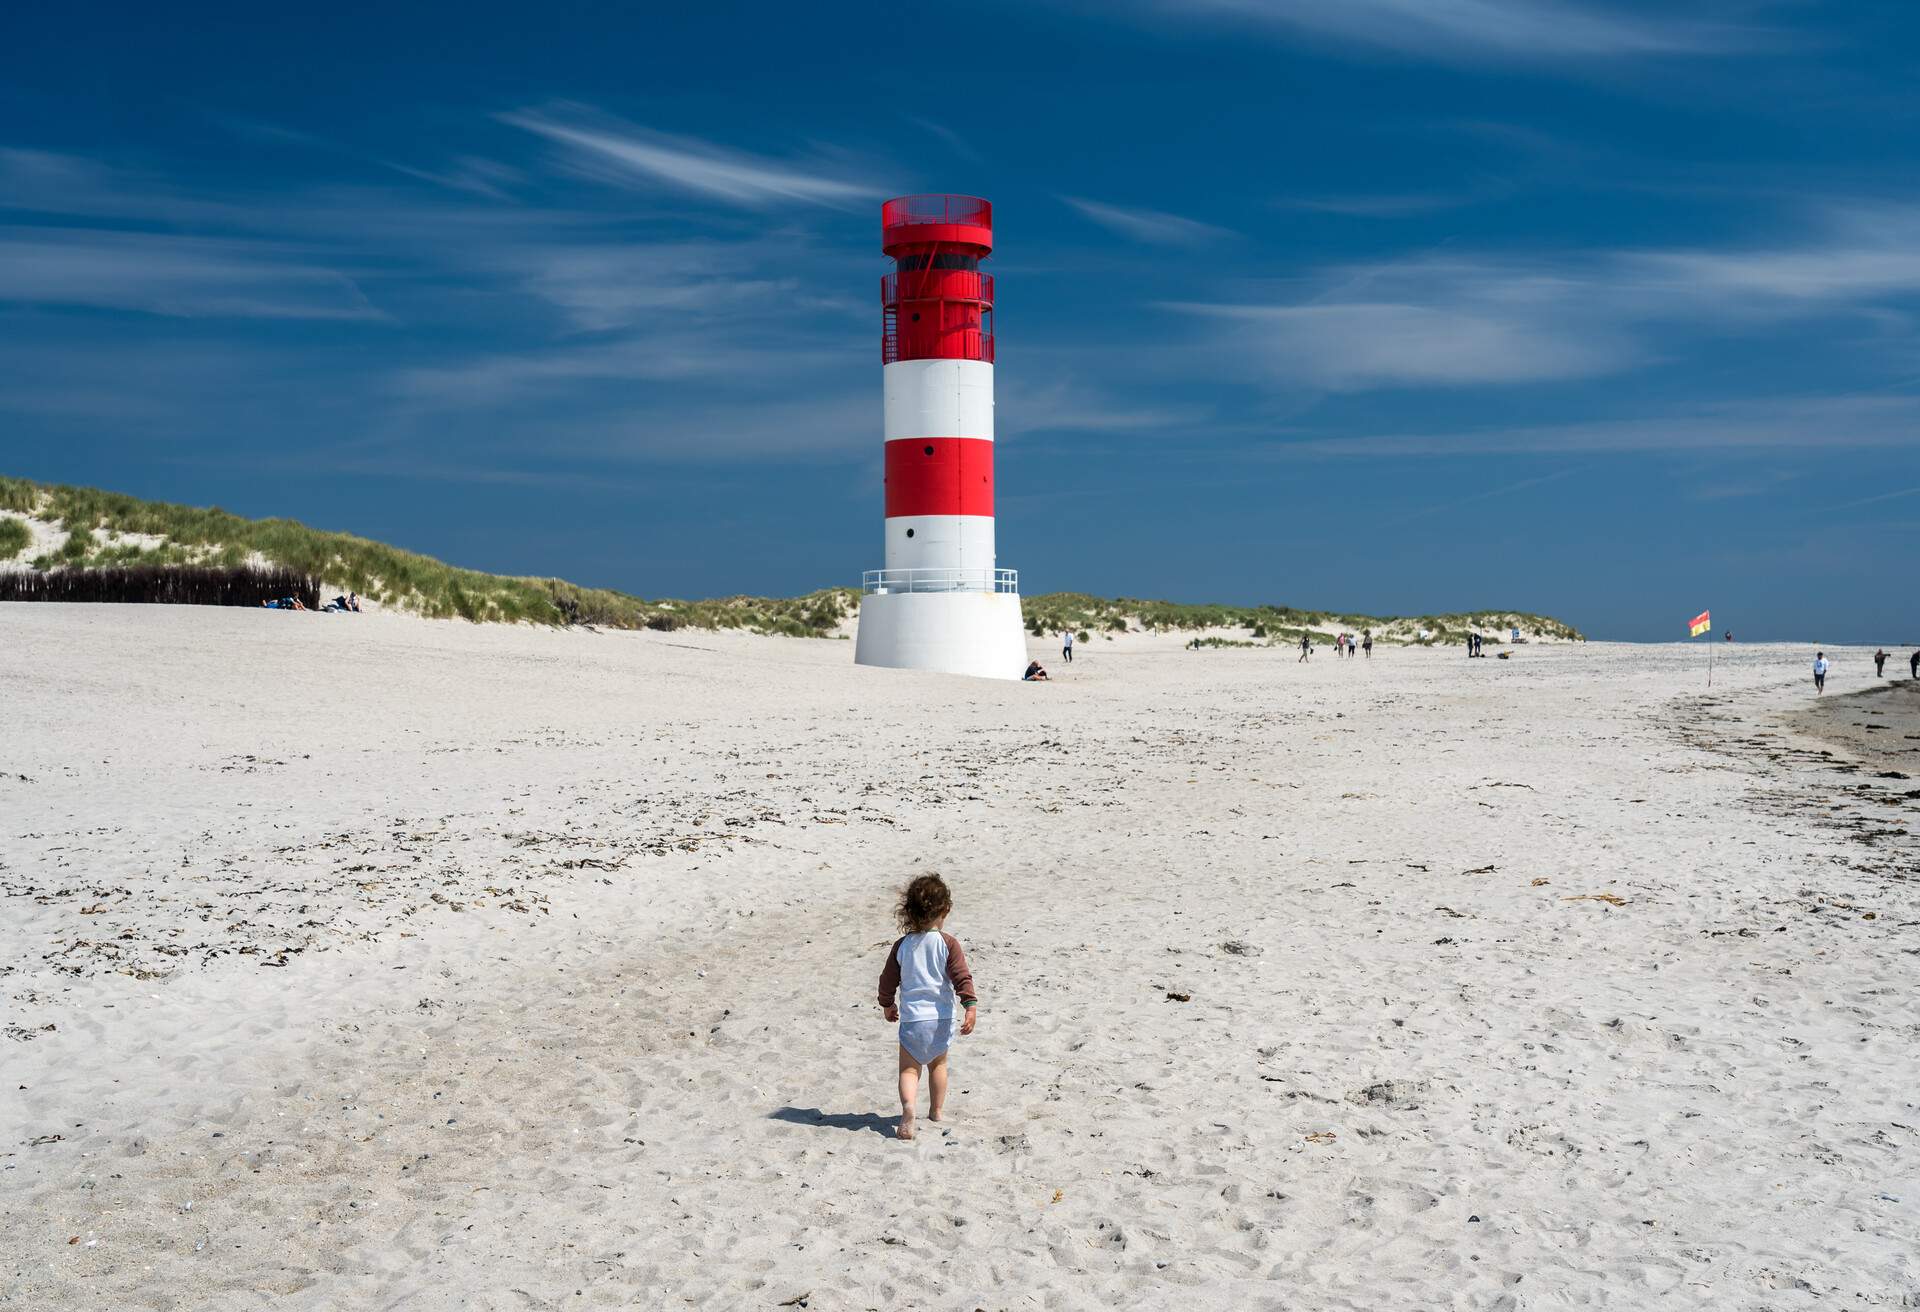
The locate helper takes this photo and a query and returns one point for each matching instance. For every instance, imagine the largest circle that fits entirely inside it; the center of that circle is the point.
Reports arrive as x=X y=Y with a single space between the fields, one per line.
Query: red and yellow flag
x=1700 y=624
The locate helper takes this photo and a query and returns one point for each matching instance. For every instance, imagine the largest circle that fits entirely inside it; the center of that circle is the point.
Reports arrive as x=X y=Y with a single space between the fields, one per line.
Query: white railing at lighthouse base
x=885 y=581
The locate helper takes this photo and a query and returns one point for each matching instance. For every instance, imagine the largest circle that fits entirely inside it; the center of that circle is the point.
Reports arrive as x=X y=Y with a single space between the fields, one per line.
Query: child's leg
x=909 y=1090
x=936 y=1087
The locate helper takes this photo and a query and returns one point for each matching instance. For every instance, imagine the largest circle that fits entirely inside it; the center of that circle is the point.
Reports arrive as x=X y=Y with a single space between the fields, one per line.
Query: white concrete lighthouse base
x=978 y=633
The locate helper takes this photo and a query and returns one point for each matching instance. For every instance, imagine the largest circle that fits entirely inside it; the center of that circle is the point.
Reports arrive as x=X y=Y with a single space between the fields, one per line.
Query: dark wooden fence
x=178 y=585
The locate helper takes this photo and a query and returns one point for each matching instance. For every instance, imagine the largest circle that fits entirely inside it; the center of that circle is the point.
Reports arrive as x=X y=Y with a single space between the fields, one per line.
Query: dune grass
x=402 y=579
x=1054 y=611
x=14 y=538
x=111 y=529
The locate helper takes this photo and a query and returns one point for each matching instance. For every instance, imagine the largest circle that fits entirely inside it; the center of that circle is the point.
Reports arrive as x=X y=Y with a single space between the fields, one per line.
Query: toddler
x=929 y=971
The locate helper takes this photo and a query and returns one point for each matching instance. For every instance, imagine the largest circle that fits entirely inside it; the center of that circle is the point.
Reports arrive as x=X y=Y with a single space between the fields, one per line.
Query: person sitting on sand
x=927 y=969
x=1035 y=674
x=1819 y=672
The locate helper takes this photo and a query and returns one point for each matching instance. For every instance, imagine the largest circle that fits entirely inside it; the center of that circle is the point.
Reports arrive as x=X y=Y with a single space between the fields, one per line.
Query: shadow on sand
x=855 y=1121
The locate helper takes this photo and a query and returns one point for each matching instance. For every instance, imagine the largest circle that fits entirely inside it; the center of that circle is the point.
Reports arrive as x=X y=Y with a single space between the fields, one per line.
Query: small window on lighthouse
x=928 y=450
x=916 y=318
x=909 y=532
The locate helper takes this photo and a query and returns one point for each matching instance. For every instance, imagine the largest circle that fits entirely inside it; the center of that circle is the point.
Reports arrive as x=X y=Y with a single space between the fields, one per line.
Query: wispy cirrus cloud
x=1465 y=31
x=528 y=325
x=629 y=425
x=1489 y=494
x=624 y=153
x=713 y=356
x=1756 y=483
x=1898 y=495
x=1073 y=407
x=1357 y=345
x=1468 y=319
x=958 y=144
x=604 y=285
x=1397 y=205
x=469 y=173
x=1781 y=425
x=1859 y=252
x=182 y=277
x=1155 y=227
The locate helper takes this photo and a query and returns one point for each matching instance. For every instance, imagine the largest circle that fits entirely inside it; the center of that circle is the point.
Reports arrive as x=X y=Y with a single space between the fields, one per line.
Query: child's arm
x=962 y=980
x=890 y=982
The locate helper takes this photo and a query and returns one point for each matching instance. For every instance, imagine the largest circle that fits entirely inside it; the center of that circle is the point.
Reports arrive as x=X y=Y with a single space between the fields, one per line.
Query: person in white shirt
x=926 y=981
x=1066 y=645
x=1819 y=672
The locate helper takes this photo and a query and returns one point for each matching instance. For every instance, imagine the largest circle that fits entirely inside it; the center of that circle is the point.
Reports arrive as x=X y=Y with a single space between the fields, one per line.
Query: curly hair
x=925 y=900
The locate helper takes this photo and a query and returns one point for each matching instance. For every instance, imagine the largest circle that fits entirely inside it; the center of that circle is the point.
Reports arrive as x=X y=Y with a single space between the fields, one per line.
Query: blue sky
x=1601 y=309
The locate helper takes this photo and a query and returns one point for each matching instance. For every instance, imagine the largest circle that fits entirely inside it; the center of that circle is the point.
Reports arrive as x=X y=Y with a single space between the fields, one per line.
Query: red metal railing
x=938 y=285
x=905 y=210
x=955 y=344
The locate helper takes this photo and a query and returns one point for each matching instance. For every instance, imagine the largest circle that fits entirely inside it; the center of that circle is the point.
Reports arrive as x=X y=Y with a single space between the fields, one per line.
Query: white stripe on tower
x=938 y=398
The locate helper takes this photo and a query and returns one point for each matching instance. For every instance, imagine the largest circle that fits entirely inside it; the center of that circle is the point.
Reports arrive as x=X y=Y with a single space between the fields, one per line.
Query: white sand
x=410 y=965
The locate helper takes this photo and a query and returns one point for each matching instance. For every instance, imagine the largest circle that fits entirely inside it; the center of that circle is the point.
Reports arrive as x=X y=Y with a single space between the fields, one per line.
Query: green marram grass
x=1056 y=611
x=97 y=523
x=401 y=579
x=14 y=538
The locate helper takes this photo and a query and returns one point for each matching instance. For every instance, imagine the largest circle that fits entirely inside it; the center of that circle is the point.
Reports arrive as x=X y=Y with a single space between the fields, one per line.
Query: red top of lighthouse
x=936 y=304
x=909 y=221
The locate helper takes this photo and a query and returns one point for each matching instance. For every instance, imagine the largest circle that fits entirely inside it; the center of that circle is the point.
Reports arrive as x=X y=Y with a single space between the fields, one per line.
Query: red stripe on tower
x=939 y=476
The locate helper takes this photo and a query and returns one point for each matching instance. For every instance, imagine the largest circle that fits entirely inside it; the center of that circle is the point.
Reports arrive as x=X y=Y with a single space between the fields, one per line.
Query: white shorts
x=927 y=1040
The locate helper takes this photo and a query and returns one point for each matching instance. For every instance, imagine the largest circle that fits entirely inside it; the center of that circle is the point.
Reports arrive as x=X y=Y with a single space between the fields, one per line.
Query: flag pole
x=1699 y=624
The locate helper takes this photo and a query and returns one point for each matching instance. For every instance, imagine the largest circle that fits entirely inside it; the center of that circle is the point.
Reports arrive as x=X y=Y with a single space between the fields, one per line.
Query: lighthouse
x=941 y=602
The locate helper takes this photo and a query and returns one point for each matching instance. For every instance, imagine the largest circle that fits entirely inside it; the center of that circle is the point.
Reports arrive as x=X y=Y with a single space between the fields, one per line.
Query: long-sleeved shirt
x=929 y=972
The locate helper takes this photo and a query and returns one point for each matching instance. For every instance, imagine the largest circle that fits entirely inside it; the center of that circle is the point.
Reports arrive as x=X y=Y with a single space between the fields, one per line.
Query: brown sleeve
x=890 y=976
x=957 y=972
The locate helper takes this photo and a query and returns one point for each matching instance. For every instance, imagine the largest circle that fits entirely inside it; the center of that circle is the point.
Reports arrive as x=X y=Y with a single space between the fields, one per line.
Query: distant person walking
x=1819 y=672
x=1913 y=666
x=1879 y=664
x=1367 y=642
x=1066 y=645
x=1306 y=648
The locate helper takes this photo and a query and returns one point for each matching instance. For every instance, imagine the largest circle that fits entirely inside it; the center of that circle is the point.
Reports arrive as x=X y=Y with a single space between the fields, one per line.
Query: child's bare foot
x=906 y=1124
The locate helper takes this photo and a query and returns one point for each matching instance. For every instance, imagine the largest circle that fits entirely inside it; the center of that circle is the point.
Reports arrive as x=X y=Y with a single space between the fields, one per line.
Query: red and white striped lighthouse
x=941 y=602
